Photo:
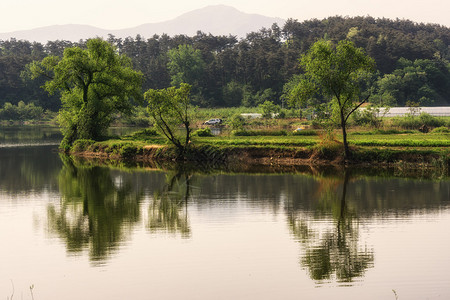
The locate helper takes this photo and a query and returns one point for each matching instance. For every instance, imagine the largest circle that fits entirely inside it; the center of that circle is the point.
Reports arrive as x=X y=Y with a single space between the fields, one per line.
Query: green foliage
x=383 y=131
x=237 y=122
x=185 y=65
x=441 y=129
x=336 y=72
x=124 y=149
x=168 y=109
x=262 y=96
x=143 y=135
x=424 y=81
x=369 y=116
x=411 y=121
x=431 y=121
x=82 y=145
x=21 y=112
x=203 y=132
x=138 y=117
x=269 y=109
x=128 y=151
x=412 y=60
x=406 y=142
x=259 y=133
x=305 y=132
x=95 y=83
x=233 y=93
x=300 y=93
x=328 y=150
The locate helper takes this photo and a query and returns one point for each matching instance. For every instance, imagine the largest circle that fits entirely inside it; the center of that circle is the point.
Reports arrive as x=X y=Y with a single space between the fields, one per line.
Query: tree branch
x=356 y=107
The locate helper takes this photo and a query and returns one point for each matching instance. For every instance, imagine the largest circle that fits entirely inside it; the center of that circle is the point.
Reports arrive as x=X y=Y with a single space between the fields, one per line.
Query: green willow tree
x=95 y=84
x=336 y=72
x=169 y=108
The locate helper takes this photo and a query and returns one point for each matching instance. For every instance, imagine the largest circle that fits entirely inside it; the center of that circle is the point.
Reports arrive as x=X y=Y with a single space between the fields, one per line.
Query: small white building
x=443 y=111
x=251 y=115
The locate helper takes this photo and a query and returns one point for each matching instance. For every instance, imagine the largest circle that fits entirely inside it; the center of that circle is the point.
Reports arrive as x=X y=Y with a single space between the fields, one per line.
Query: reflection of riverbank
x=404 y=170
x=34 y=135
x=241 y=156
x=23 y=136
x=296 y=229
x=370 y=189
x=26 y=169
x=26 y=145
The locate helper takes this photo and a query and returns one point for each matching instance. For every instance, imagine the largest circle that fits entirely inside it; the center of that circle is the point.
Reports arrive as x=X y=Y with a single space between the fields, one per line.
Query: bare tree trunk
x=344 y=137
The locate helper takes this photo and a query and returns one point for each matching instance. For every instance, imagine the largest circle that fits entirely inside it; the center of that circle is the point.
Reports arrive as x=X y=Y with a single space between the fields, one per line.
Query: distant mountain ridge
x=216 y=19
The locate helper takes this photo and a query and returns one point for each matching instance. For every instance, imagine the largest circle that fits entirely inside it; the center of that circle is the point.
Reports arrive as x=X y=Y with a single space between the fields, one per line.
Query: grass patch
x=441 y=129
x=403 y=143
x=305 y=132
x=142 y=135
x=383 y=131
x=259 y=133
x=276 y=141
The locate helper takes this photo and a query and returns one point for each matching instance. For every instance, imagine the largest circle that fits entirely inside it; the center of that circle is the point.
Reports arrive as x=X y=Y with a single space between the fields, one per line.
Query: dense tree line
x=412 y=61
x=21 y=112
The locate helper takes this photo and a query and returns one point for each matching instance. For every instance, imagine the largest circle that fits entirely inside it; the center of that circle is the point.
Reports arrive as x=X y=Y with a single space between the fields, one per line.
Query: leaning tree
x=169 y=108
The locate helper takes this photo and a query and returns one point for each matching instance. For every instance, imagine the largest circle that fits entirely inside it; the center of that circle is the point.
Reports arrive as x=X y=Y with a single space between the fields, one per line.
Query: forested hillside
x=412 y=62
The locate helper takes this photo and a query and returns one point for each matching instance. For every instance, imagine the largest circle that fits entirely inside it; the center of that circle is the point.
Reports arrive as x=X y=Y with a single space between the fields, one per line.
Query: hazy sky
x=118 y=14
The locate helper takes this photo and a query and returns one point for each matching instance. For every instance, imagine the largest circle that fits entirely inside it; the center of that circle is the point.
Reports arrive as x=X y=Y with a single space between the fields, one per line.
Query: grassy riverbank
x=410 y=149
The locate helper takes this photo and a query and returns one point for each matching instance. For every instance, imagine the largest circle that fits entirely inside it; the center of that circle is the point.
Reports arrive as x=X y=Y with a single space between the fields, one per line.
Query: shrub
x=128 y=150
x=367 y=117
x=21 y=112
x=138 y=117
x=203 y=132
x=269 y=109
x=81 y=145
x=431 y=121
x=328 y=150
x=411 y=121
x=237 y=122
x=441 y=129
x=144 y=134
x=407 y=121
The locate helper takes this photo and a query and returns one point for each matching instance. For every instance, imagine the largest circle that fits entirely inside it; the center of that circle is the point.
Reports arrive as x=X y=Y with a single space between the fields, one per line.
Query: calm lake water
x=71 y=230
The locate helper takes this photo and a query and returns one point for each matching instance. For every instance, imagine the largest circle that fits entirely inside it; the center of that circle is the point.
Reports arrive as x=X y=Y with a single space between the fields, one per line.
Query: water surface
x=77 y=231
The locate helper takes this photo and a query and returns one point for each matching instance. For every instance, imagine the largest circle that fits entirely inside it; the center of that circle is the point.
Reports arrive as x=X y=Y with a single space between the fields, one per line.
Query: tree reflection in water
x=166 y=209
x=332 y=253
x=95 y=212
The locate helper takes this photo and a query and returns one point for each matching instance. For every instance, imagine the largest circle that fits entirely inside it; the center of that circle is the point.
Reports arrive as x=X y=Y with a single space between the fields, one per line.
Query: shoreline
x=232 y=157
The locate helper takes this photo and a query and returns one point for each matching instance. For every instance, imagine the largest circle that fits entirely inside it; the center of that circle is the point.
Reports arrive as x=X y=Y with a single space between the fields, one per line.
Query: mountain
x=216 y=19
